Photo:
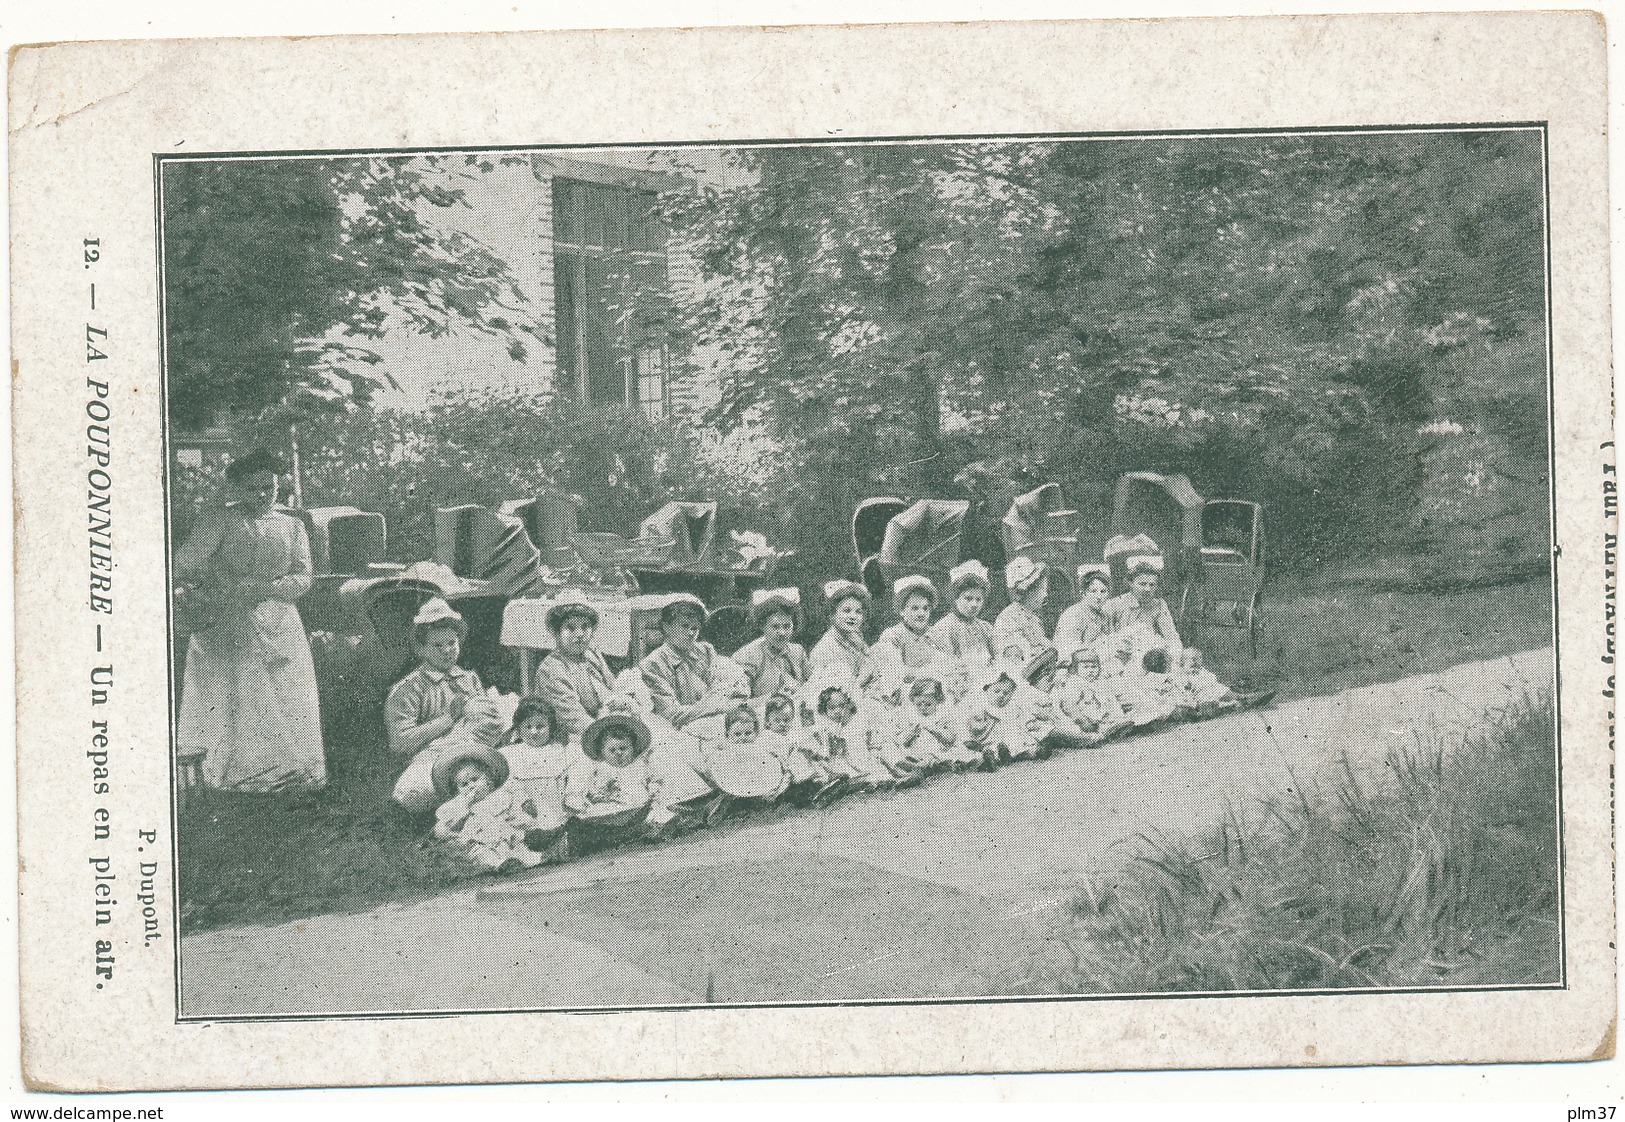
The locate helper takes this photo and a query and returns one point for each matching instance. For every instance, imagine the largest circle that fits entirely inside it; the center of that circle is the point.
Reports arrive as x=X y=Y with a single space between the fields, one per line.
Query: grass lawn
x=271 y=858
x=1325 y=640
x=1429 y=873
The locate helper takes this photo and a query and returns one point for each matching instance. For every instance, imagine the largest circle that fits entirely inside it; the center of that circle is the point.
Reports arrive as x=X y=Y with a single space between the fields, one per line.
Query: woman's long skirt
x=248 y=702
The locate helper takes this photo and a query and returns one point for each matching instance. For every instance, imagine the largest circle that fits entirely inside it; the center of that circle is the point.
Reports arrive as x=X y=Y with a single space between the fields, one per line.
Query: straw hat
x=1044 y=662
x=1144 y=563
x=592 y=739
x=570 y=603
x=435 y=611
x=837 y=590
x=911 y=585
x=764 y=602
x=444 y=772
x=967 y=574
x=1024 y=573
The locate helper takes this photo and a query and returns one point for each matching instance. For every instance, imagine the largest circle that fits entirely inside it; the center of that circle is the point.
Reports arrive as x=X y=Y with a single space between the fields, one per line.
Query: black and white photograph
x=901 y=569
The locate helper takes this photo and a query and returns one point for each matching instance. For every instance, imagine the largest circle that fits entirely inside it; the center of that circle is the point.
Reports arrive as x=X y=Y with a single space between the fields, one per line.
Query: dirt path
x=929 y=893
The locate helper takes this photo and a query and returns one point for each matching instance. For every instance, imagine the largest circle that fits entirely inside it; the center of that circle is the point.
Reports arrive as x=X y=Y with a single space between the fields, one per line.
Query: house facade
x=597 y=267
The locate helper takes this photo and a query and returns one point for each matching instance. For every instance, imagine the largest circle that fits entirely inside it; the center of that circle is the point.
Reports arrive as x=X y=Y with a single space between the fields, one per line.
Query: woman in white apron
x=248 y=696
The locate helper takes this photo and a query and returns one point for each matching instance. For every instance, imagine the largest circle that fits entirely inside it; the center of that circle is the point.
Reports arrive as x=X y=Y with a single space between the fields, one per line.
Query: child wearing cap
x=426 y=705
x=907 y=644
x=963 y=635
x=773 y=662
x=484 y=814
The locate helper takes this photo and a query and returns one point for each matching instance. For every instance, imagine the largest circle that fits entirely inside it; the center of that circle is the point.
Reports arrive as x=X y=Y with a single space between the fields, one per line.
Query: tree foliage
x=1349 y=328
x=279 y=273
x=1282 y=318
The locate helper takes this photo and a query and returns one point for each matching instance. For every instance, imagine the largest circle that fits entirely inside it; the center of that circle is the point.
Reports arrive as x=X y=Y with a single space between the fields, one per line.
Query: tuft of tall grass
x=1441 y=870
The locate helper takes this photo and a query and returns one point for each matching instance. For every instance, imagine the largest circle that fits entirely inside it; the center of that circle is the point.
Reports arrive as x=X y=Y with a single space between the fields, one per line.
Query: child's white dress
x=491 y=831
x=1201 y=689
x=846 y=750
x=1040 y=709
x=792 y=755
x=594 y=789
x=1092 y=704
x=1147 y=697
x=934 y=739
x=752 y=770
x=540 y=774
x=1058 y=720
x=1012 y=726
x=676 y=773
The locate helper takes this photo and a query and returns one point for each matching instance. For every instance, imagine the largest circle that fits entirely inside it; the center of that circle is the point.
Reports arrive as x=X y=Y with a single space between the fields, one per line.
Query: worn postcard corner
x=837 y=566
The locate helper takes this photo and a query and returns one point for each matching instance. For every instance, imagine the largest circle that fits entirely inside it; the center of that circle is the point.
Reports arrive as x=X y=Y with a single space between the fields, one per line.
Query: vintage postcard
x=829 y=549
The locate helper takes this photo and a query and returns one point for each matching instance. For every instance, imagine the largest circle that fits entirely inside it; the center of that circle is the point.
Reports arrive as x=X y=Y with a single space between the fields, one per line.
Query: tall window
x=609 y=286
x=652 y=388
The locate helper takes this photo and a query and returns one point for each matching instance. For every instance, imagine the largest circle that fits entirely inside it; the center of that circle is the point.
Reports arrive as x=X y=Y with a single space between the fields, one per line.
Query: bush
x=487 y=447
x=190 y=489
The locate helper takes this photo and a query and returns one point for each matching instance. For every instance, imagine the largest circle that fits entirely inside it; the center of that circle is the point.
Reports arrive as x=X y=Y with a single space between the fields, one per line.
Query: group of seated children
x=512 y=788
